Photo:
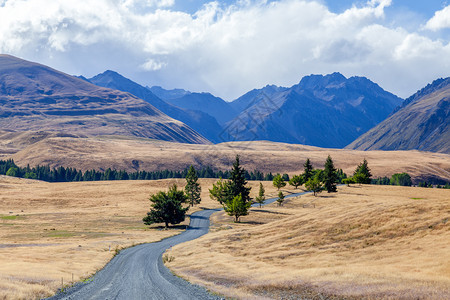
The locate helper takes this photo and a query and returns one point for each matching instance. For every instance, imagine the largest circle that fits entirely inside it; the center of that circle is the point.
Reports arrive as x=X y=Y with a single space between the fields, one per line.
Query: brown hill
x=422 y=123
x=35 y=97
x=123 y=153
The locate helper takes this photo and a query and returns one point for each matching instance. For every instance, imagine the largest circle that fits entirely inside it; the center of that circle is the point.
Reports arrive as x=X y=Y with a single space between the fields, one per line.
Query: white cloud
x=440 y=20
x=153 y=65
x=226 y=50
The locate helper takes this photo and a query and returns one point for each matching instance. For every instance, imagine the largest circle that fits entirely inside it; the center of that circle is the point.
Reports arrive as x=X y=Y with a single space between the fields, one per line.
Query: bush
x=402 y=179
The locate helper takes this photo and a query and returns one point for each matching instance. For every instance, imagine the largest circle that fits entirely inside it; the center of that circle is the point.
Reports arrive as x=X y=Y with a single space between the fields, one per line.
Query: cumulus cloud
x=223 y=49
x=440 y=20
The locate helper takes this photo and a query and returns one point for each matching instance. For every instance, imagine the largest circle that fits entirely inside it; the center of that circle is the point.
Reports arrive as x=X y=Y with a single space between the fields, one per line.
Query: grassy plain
x=49 y=231
x=363 y=242
x=125 y=153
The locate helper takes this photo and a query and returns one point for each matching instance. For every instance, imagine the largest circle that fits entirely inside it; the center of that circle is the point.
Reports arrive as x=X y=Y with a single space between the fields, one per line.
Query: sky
x=230 y=47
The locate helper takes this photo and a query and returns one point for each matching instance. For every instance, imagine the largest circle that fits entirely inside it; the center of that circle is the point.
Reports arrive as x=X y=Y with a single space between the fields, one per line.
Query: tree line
x=62 y=174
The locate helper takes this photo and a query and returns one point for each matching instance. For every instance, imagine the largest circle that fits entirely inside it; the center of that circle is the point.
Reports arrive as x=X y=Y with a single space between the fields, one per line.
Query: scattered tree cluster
x=233 y=194
x=362 y=174
x=317 y=180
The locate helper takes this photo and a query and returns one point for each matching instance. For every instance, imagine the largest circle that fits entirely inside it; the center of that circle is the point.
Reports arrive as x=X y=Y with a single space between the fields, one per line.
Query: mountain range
x=325 y=111
x=321 y=110
x=200 y=121
x=36 y=97
x=422 y=122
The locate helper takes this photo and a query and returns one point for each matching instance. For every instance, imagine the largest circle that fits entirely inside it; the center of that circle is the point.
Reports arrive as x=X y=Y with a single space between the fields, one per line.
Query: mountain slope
x=201 y=122
x=251 y=98
x=422 y=123
x=168 y=94
x=324 y=111
x=36 y=97
x=207 y=103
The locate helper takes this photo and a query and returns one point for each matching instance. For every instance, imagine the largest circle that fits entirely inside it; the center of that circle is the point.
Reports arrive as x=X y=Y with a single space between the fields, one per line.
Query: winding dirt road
x=139 y=273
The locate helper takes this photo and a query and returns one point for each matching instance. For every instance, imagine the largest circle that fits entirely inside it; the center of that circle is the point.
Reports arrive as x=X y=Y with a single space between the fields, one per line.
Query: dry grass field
x=49 y=231
x=362 y=242
x=125 y=153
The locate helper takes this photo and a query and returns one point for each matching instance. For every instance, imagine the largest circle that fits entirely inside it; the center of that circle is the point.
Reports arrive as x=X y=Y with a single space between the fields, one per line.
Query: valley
x=132 y=153
x=365 y=241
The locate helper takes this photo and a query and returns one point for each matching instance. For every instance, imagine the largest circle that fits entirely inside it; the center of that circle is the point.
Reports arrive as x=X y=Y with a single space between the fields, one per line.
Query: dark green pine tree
x=330 y=176
x=192 y=187
x=308 y=170
x=362 y=173
x=238 y=182
x=167 y=207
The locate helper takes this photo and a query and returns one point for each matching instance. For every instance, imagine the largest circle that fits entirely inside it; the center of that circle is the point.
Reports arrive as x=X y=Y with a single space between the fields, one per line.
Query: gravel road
x=139 y=273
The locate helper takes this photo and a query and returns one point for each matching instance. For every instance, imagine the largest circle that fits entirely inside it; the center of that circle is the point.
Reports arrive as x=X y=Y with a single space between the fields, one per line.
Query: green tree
x=221 y=191
x=314 y=184
x=238 y=182
x=167 y=207
x=296 y=181
x=341 y=175
x=330 y=176
x=359 y=178
x=402 y=179
x=308 y=170
x=233 y=194
x=237 y=207
x=260 y=198
x=348 y=181
x=192 y=187
x=30 y=175
x=278 y=182
x=364 y=170
x=280 y=199
x=13 y=172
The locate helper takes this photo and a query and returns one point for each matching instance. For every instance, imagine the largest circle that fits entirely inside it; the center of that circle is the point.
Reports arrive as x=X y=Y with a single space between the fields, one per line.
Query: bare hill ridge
x=35 y=97
x=131 y=154
x=423 y=123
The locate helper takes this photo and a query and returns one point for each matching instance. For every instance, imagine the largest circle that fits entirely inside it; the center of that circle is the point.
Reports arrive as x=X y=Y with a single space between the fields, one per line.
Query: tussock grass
x=49 y=231
x=116 y=152
x=363 y=242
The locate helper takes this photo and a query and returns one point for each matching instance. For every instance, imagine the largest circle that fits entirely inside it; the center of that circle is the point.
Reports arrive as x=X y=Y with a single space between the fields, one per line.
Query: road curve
x=139 y=273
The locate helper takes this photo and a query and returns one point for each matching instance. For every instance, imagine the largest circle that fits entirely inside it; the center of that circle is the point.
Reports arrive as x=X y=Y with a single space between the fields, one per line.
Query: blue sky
x=230 y=47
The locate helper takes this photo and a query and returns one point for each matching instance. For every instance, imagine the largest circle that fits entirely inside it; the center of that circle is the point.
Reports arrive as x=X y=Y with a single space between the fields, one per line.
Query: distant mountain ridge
x=200 y=121
x=168 y=94
x=208 y=103
x=325 y=111
x=36 y=97
x=421 y=123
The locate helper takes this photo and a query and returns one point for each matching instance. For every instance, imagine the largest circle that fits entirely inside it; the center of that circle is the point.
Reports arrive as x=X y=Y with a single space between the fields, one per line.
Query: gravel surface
x=139 y=273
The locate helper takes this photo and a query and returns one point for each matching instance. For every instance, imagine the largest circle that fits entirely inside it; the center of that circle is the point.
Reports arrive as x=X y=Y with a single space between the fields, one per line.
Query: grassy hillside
x=422 y=123
x=36 y=97
x=54 y=230
x=365 y=241
x=125 y=153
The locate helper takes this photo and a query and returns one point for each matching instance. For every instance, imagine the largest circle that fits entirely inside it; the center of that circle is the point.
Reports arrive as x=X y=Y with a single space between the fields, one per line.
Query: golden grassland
x=127 y=153
x=362 y=242
x=49 y=231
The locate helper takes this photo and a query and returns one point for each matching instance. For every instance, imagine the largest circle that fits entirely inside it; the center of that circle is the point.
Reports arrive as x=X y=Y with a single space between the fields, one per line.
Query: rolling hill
x=35 y=97
x=325 y=111
x=422 y=123
x=132 y=154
